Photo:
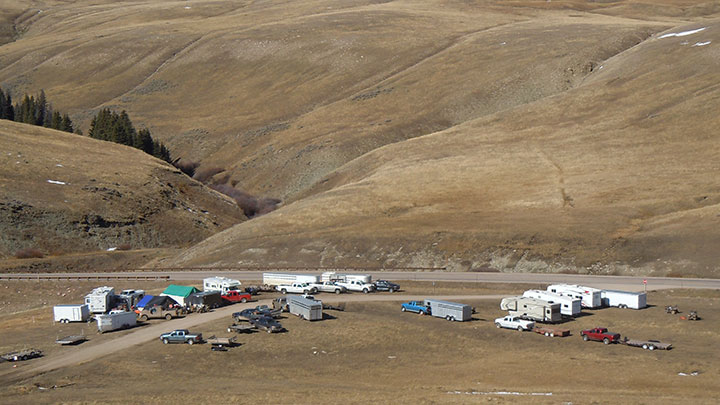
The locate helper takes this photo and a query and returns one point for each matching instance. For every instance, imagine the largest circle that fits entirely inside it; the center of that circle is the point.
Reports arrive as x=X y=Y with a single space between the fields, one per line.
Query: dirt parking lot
x=374 y=352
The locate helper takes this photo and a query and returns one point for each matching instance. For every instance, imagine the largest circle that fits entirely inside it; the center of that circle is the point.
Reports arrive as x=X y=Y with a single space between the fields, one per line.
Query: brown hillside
x=66 y=193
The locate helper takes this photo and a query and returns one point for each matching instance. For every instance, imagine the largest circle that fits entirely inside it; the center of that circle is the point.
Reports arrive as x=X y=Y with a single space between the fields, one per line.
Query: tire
x=306 y=292
x=452 y=319
x=520 y=328
x=391 y=290
x=165 y=341
x=365 y=290
x=168 y=317
x=143 y=318
x=269 y=331
x=497 y=325
x=651 y=347
x=447 y=317
x=645 y=347
x=191 y=342
x=421 y=313
x=585 y=338
x=403 y=309
x=244 y=300
x=338 y=291
x=552 y=334
x=283 y=291
x=606 y=341
x=547 y=334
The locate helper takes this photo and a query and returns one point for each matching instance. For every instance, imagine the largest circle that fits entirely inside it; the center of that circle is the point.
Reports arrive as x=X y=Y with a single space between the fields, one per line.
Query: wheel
x=452 y=319
x=585 y=338
x=66 y=321
x=391 y=290
x=269 y=331
x=143 y=318
x=447 y=317
x=229 y=330
x=365 y=290
x=552 y=334
x=338 y=291
x=165 y=341
x=520 y=329
x=645 y=346
x=191 y=342
x=497 y=325
x=547 y=334
x=244 y=300
x=421 y=313
x=403 y=309
x=606 y=341
x=651 y=347
x=168 y=317
x=283 y=291
x=306 y=292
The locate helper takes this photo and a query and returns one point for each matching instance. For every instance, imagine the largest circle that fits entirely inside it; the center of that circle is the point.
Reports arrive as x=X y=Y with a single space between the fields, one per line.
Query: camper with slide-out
x=100 y=300
x=624 y=299
x=71 y=313
x=531 y=308
x=451 y=311
x=275 y=279
x=569 y=306
x=305 y=308
x=591 y=297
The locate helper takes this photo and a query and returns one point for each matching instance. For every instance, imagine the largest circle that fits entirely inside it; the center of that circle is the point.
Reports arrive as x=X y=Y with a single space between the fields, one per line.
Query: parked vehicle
x=357 y=285
x=115 y=320
x=569 y=306
x=623 y=299
x=551 y=332
x=100 y=300
x=257 y=312
x=416 y=306
x=71 y=340
x=158 y=312
x=305 y=308
x=203 y=301
x=646 y=344
x=181 y=336
x=221 y=341
x=600 y=335
x=671 y=309
x=297 y=288
x=129 y=298
x=333 y=276
x=329 y=286
x=221 y=284
x=71 y=313
x=21 y=355
x=288 y=278
x=233 y=296
x=384 y=285
x=451 y=311
x=244 y=327
x=511 y=322
x=267 y=324
x=531 y=308
x=591 y=297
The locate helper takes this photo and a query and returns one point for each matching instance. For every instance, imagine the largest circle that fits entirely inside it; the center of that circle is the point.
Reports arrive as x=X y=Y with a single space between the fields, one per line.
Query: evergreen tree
x=40 y=108
x=56 y=121
x=66 y=124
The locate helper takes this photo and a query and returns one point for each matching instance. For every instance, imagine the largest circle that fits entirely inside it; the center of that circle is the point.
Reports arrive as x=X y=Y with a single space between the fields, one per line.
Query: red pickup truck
x=601 y=335
x=233 y=296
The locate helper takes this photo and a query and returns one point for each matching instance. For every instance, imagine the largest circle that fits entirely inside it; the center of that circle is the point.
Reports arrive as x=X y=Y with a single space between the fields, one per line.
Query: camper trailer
x=100 y=300
x=287 y=278
x=71 y=313
x=222 y=284
x=115 y=320
x=452 y=311
x=305 y=308
x=333 y=276
x=569 y=306
x=590 y=296
x=624 y=299
x=531 y=308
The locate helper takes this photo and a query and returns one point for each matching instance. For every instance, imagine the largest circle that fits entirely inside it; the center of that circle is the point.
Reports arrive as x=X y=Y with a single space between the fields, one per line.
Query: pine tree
x=66 y=124
x=56 y=121
x=40 y=108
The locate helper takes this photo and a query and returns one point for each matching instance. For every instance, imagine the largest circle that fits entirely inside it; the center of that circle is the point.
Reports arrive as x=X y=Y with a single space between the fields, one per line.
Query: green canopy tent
x=179 y=292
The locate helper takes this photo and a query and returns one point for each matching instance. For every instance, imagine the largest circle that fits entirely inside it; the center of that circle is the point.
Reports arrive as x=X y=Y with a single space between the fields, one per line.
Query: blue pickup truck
x=416 y=306
x=181 y=336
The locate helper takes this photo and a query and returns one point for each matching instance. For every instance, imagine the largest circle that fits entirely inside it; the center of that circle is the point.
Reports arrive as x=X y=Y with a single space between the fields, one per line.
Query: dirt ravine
x=147 y=333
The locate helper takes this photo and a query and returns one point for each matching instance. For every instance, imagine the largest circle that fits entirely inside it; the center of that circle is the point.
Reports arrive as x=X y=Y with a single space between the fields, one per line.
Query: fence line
x=85 y=277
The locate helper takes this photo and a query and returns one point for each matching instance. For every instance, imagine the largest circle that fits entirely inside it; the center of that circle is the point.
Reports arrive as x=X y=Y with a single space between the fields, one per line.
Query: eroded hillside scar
x=566 y=199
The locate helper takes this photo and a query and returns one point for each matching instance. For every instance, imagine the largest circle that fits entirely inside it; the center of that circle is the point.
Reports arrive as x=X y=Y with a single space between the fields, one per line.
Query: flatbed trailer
x=21 y=355
x=241 y=327
x=71 y=340
x=647 y=344
x=221 y=341
x=551 y=332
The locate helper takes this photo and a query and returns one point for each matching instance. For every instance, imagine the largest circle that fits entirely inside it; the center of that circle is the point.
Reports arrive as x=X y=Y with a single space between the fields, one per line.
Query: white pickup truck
x=512 y=322
x=329 y=286
x=356 y=285
x=297 y=288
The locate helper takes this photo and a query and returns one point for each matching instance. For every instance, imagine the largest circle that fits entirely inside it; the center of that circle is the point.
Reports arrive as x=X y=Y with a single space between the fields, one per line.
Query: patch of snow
x=702 y=43
x=187 y=7
x=58 y=165
x=56 y=182
x=681 y=34
x=503 y=43
x=112 y=249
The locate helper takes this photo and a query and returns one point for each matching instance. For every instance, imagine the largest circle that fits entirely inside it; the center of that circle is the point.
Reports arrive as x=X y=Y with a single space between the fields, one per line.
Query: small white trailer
x=115 y=320
x=531 y=308
x=71 y=313
x=222 y=284
x=333 y=276
x=288 y=278
x=591 y=297
x=452 y=311
x=99 y=301
x=624 y=299
x=569 y=306
x=305 y=308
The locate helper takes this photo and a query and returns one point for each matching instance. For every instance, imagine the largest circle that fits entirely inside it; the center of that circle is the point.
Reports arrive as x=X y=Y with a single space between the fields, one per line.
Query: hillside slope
x=65 y=193
x=621 y=174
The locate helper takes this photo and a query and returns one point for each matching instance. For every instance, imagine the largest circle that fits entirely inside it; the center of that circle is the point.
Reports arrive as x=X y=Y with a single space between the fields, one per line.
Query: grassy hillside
x=67 y=193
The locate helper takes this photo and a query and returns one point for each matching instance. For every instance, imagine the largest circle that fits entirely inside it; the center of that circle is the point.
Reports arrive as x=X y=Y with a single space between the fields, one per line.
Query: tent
x=144 y=301
x=178 y=292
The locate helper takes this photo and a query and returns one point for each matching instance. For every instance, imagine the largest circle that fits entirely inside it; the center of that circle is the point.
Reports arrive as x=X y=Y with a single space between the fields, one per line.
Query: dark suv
x=384 y=285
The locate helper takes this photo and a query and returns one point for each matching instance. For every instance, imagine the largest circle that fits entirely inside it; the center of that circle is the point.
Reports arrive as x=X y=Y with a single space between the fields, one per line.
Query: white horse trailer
x=71 y=313
x=333 y=276
x=288 y=278
x=531 y=308
x=591 y=297
x=305 y=308
x=569 y=306
x=452 y=311
x=624 y=299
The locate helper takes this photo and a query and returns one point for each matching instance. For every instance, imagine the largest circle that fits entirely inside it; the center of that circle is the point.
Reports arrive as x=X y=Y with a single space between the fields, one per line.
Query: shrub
x=203 y=175
x=29 y=253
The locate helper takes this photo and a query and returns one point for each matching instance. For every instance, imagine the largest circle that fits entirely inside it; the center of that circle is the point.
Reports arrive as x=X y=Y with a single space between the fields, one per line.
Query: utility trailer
x=221 y=341
x=288 y=278
x=241 y=327
x=305 y=308
x=551 y=332
x=115 y=320
x=71 y=340
x=71 y=313
x=451 y=311
x=624 y=299
x=646 y=344
x=591 y=297
x=21 y=355
x=531 y=308
x=569 y=306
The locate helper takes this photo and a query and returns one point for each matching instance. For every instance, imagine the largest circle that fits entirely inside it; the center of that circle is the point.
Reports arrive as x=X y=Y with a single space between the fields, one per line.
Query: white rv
x=99 y=301
x=222 y=284
x=624 y=299
x=333 y=276
x=531 y=308
x=288 y=278
x=590 y=296
x=569 y=306
x=71 y=313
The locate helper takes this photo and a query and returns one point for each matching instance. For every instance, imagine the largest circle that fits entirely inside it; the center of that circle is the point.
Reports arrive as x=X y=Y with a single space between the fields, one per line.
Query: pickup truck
x=298 y=288
x=158 y=312
x=233 y=296
x=181 y=336
x=600 y=335
x=511 y=322
x=267 y=324
x=357 y=285
x=384 y=285
x=416 y=306
x=329 y=286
